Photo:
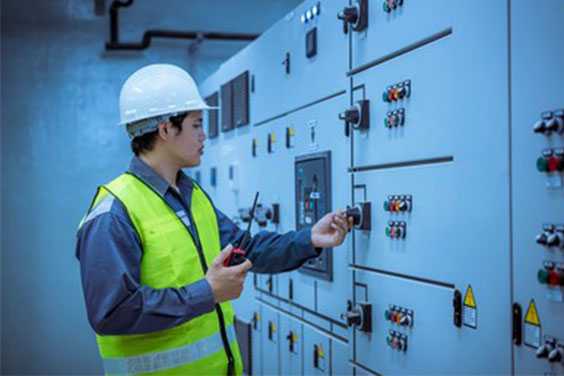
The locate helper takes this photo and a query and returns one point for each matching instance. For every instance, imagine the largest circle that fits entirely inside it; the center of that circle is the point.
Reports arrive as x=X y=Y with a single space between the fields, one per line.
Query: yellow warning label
x=532 y=316
x=469 y=300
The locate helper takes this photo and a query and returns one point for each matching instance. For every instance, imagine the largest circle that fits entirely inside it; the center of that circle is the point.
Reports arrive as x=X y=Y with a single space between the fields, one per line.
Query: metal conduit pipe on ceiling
x=115 y=44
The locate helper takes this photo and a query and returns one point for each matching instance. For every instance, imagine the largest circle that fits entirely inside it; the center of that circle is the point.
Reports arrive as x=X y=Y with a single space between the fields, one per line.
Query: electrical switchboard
x=439 y=128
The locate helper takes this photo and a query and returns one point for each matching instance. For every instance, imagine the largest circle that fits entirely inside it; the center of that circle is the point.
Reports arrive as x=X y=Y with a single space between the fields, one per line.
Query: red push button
x=553 y=163
x=554 y=278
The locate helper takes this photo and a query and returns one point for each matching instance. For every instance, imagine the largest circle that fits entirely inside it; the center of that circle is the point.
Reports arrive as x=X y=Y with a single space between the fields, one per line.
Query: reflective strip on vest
x=168 y=359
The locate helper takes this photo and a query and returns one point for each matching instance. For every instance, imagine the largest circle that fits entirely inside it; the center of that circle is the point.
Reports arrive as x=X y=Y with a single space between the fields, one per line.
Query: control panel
x=313 y=201
x=380 y=108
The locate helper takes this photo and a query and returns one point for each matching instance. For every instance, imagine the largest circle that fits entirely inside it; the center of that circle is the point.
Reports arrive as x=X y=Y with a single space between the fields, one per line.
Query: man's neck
x=162 y=166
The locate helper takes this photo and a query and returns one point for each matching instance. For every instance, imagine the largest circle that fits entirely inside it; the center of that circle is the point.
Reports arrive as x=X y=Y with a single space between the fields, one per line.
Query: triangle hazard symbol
x=532 y=316
x=469 y=300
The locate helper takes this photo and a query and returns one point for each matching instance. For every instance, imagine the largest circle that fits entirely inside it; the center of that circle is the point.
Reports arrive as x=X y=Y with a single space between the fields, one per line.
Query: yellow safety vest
x=171 y=258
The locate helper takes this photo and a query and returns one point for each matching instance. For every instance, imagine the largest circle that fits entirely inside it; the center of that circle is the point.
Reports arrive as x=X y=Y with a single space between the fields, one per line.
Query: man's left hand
x=330 y=231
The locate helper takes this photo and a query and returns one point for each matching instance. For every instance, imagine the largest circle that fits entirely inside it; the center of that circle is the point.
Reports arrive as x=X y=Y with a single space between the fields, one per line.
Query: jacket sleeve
x=270 y=252
x=110 y=252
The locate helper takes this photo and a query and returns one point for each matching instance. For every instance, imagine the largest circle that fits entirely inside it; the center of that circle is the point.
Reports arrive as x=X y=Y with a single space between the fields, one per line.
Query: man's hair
x=146 y=142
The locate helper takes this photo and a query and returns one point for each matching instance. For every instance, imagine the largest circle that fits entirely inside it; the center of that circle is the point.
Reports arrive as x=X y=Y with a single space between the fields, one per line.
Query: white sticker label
x=554 y=181
x=532 y=335
x=470 y=317
x=555 y=295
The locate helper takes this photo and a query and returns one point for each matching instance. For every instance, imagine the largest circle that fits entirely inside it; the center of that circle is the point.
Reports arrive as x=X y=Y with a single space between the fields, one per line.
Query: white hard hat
x=157 y=90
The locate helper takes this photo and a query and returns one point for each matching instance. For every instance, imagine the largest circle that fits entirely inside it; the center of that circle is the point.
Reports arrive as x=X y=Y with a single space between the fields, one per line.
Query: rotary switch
x=550 y=122
x=544 y=350
x=542 y=237
x=556 y=355
x=359 y=316
x=355 y=15
x=263 y=214
x=358 y=116
x=361 y=215
x=556 y=239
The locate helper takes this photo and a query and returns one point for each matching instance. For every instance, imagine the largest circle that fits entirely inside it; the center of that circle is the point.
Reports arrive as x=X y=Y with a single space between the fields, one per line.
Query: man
x=157 y=293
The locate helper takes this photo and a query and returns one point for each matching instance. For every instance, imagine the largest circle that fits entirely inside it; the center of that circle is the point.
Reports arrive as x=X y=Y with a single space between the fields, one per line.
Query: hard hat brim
x=199 y=108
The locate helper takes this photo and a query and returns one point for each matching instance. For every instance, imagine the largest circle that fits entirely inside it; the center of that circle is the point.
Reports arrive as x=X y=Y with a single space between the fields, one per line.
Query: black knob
x=356 y=214
x=555 y=355
x=352 y=115
x=353 y=318
x=402 y=205
x=553 y=124
x=541 y=238
x=554 y=240
x=544 y=350
x=349 y=14
x=539 y=127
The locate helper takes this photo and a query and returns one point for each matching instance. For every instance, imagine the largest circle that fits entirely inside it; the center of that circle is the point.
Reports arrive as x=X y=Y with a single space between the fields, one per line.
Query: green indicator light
x=542 y=164
x=387 y=231
x=542 y=276
x=386 y=206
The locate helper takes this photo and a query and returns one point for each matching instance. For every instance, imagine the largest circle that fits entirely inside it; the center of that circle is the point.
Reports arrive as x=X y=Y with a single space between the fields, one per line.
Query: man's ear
x=163 y=129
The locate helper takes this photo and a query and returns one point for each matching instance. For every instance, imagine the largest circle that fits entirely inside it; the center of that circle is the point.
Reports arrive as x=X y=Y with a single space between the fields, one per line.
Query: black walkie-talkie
x=237 y=255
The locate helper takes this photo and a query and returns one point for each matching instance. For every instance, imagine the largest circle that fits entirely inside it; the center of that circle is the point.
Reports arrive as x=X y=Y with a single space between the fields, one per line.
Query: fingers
x=341 y=222
x=225 y=252
x=243 y=268
x=340 y=230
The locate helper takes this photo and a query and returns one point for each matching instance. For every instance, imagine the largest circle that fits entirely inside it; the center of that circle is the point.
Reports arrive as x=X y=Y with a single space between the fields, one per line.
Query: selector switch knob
x=540 y=126
x=356 y=16
x=555 y=239
x=405 y=320
x=556 y=355
x=542 y=238
x=361 y=215
x=353 y=318
x=555 y=124
x=544 y=350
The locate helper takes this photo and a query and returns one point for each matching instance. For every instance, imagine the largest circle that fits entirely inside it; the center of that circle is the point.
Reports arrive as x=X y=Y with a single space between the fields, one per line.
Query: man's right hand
x=226 y=282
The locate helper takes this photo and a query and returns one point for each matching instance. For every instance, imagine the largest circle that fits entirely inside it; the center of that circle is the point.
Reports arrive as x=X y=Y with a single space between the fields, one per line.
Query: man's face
x=188 y=145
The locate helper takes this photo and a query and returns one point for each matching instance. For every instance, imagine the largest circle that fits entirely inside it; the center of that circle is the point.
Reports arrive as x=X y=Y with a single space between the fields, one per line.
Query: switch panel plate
x=313 y=201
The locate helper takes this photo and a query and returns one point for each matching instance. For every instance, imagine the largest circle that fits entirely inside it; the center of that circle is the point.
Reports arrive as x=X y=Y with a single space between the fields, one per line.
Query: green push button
x=542 y=164
x=386 y=206
x=542 y=276
x=388 y=231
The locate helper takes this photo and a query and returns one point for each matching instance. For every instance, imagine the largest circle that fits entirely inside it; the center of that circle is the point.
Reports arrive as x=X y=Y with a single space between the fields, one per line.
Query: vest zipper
x=218 y=310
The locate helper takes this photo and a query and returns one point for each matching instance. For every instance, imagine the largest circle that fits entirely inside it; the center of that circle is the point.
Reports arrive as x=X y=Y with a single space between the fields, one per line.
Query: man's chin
x=193 y=163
